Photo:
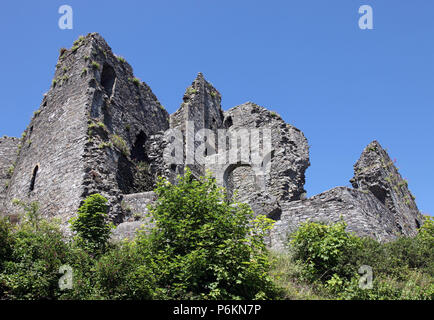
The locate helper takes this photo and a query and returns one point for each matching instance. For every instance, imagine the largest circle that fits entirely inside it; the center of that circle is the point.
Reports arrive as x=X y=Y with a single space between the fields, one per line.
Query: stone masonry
x=101 y=130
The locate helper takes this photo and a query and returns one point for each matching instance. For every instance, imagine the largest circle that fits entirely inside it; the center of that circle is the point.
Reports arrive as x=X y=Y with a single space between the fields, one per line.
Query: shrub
x=30 y=269
x=402 y=269
x=124 y=273
x=92 y=230
x=204 y=247
x=324 y=250
x=6 y=241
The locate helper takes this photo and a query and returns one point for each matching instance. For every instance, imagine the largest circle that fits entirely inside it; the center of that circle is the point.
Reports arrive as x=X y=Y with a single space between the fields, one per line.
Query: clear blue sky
x=306 y=59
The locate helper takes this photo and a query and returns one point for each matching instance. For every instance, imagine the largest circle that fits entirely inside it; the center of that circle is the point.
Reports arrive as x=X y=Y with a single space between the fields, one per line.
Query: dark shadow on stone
x=108 y=77
x=33 y=181
x=138 y=152
x=275 y=214
x=125 y=175
x=379 y=192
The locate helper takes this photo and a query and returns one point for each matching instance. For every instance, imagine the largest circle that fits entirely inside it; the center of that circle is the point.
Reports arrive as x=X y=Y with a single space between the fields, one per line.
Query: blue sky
x=306 y=59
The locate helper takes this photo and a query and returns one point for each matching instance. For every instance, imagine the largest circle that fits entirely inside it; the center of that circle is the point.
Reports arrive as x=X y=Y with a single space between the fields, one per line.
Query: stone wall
x=364 y=214
x=202 y=108
x=8 y=155
x=137 y=215
x=50 y=166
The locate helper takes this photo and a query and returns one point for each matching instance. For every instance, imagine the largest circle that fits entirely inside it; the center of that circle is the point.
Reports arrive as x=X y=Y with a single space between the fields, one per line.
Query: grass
x=191 y=90
x=120 y=143
x=103 y=145
x=95 y=65
x=136 y=81
x=11 y=170
x=78 y=41
x=286 y=275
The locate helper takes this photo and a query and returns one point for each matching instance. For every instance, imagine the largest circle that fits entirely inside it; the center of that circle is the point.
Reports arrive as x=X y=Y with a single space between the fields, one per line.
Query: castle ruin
x=101 y=130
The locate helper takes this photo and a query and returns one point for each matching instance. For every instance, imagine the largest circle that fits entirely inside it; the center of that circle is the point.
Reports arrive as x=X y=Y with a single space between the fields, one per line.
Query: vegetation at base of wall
x=202 y=247
x=329 y=258
x=90 y=224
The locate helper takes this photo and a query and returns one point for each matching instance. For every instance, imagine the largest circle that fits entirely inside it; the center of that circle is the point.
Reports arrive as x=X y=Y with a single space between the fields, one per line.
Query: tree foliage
x=92 y=229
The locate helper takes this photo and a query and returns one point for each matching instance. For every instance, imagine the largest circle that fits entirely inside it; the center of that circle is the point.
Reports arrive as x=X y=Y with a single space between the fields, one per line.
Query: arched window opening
x=138 y=151
x=228 y=122
x=240 y=178
x=108 y=77
x=33 y=181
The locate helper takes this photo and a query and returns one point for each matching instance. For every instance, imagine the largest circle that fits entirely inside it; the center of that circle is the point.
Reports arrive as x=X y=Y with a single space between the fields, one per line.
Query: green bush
x=30 y=269
x=124 y=273
x=330 y=259
x=6 y=241
x=324 y=250
x=203 y=246
x=90 y=224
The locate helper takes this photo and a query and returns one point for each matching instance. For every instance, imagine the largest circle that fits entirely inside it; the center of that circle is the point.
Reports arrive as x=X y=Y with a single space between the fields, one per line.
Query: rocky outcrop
x=376 y=172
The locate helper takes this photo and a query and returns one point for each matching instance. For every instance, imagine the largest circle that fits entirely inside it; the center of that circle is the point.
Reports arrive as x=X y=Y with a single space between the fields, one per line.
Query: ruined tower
x=88 y=134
